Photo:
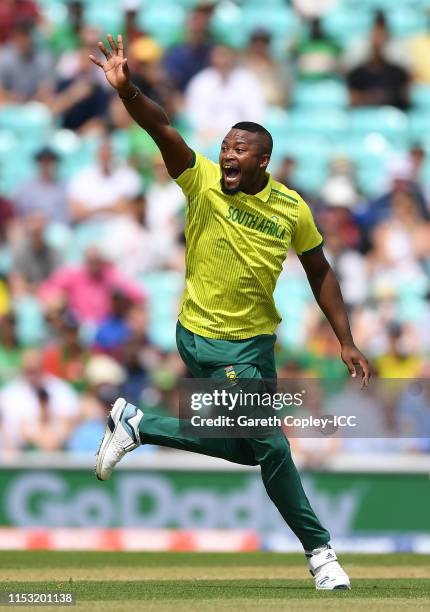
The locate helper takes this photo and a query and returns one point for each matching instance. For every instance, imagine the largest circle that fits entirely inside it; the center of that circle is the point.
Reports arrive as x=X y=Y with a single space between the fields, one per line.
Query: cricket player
x=240 y=224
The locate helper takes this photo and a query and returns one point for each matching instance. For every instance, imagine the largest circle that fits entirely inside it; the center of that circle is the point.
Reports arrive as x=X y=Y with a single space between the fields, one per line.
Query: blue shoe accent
x=131 y=412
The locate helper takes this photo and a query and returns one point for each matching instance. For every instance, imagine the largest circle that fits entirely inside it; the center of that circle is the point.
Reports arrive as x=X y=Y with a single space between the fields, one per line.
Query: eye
x=240 y=150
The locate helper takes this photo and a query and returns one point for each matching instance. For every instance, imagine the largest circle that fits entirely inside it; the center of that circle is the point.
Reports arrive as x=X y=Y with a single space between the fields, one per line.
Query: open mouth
x=231 y=174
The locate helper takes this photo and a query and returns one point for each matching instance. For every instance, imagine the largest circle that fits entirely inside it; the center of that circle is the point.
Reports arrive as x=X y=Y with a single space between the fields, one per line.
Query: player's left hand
x=352 y=357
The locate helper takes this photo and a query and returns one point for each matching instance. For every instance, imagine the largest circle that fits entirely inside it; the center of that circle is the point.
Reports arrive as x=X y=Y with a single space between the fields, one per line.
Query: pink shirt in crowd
x=89 y=297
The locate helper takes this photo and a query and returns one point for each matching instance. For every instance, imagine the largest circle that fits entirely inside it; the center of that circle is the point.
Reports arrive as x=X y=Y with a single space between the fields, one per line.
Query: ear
x=264 y=161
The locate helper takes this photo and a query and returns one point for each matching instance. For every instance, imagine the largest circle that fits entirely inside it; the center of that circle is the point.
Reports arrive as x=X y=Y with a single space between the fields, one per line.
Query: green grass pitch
x=208 y=582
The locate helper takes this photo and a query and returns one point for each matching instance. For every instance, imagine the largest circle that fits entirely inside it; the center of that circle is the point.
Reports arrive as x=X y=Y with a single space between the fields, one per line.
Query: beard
x=228 y=191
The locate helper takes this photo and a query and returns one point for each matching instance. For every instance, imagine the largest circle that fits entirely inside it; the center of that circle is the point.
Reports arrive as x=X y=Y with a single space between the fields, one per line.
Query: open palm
x=115 y=67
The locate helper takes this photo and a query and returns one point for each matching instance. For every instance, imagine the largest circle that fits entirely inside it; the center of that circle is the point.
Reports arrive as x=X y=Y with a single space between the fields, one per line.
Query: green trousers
x=252 y=358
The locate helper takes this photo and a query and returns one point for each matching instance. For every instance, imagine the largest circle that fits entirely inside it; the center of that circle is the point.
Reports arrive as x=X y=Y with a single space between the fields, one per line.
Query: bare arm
x=149 y=115
x=326 y=290
x=79 y=211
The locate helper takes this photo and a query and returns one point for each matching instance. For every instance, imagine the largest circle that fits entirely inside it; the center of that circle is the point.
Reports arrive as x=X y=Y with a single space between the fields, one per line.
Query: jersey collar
x=264 y=194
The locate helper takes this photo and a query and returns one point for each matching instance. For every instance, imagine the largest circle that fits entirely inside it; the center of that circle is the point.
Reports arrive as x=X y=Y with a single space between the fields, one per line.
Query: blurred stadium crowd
x=91 y=226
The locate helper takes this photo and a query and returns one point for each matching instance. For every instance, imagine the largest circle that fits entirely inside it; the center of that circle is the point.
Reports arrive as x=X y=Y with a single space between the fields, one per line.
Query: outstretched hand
x=352 y=357
x=115 y=68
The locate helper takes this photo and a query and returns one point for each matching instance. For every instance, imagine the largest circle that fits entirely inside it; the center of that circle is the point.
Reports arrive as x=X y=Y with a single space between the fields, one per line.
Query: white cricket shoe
x=327 y=572
x=121 y=436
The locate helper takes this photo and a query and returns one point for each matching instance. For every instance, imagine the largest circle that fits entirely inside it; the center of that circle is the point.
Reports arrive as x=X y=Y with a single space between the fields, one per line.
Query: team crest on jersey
x=231 y=374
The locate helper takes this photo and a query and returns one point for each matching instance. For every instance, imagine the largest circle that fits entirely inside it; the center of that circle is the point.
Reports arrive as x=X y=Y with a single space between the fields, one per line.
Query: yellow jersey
x=235 y=248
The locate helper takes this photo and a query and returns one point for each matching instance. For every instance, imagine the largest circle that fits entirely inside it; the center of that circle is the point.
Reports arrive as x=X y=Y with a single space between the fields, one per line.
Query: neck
x=257 y=186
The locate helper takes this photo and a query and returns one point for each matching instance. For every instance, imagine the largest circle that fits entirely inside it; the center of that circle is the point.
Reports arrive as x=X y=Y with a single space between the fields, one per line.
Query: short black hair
x=256 y=128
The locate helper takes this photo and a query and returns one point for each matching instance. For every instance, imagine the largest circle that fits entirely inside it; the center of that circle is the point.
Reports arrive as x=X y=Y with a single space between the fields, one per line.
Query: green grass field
x=209 y=582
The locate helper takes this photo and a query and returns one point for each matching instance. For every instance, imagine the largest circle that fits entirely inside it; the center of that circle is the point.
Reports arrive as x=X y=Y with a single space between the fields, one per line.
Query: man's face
x=32 y=367
x=105 y=155
x=241 y=160
x=94 y=262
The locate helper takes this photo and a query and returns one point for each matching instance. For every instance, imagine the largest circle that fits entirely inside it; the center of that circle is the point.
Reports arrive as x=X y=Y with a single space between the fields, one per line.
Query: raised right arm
x=150 y=116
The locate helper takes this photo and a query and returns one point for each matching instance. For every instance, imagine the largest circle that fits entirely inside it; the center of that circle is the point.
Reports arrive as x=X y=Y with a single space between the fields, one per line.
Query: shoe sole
x=339 y=587
x=342 y=587
x=116 y=411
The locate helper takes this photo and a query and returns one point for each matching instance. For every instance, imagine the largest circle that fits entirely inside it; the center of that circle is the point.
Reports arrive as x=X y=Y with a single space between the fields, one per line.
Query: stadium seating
x=390 y=122
x=164 y=23
x=322 y=94
x=420 y=97
x=419 y=126
x=345 y=24
x=406 y=20
x=326 y=122
x=163 y=290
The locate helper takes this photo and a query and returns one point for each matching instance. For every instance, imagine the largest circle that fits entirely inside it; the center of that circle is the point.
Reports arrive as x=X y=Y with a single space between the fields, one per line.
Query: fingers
x=112 y=44
x=96 y=61
x=351 y=367
x=120 y=46
x=103 y=49
x=365 y=376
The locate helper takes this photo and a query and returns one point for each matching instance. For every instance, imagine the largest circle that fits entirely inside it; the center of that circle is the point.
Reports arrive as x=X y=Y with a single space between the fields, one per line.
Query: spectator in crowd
x=165 y=201
x=104 y=377
x=45 y=193
x=65 y=356
x=402 y=179
x=87 y=288
x=10 y=349
x=65 y=36
x=131 y=28
x=285 y=174
x=349 y=265
x=378 y=82
x=90 y=426
x=313 y=453
x=185 y=60
x=13 y=12
x=340 y=188
x=258 y=58
x=400 y=241
x=418 y=52
x=149 y=75
x=360 y=48
x=80 y=101
x=401 y=359
x=69 y=63
x=34 y=259
x=316 y=55
x=376 y=427
x=162 y=397
x=321 y=356
x=137 y=376
x=218 y=96
x=7 y=214
x=5 y=297
x=314 y=8
x=38 y=410
x=414 y=411
x=113 y=331
x=26 y=71
x=131 y=243
x=102 y=191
